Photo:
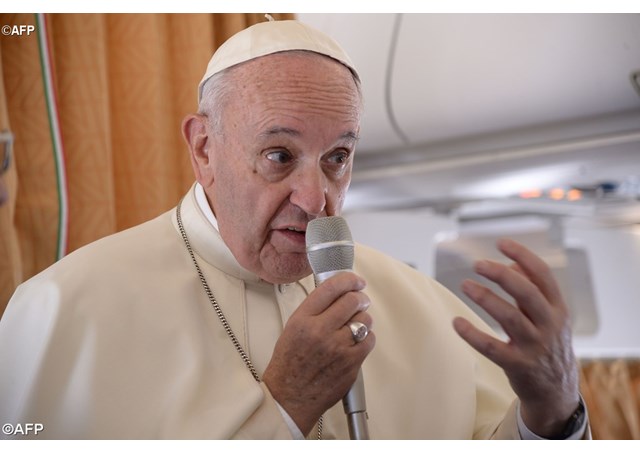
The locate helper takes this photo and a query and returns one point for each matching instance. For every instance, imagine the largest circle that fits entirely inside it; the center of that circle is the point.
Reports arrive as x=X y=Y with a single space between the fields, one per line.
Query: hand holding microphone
x=316 y=360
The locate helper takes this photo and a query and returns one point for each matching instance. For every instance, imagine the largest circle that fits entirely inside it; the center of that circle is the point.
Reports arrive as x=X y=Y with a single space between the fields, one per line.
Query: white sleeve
x=295 y=431
x=527 y=434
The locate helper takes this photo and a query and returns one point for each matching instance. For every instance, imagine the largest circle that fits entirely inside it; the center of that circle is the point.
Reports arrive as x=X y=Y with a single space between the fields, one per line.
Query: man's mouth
x=294 y=235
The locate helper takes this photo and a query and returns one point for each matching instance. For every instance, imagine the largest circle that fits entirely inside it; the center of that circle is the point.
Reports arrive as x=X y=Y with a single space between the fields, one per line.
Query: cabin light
x=556 y=193
x=574 y=195
x=533 y=193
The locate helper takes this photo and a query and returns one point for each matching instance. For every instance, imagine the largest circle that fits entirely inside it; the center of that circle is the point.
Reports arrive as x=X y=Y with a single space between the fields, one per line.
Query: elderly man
x=206 y=323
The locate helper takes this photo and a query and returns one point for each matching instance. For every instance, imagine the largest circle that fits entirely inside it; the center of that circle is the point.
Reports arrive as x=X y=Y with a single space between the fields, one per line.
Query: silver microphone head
x=329 y=247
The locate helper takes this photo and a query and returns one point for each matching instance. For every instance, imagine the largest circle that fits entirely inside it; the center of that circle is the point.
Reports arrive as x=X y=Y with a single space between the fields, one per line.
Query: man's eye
x=339 y=157
x=280 y=156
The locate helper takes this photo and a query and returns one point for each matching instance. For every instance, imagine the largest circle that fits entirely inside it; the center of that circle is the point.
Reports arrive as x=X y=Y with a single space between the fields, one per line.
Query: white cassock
x=119 y=340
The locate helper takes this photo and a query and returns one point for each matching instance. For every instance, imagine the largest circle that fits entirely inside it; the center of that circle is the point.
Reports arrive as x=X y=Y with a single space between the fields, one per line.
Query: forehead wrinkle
x=325 y=97
x=283 y=109
x=334 y=99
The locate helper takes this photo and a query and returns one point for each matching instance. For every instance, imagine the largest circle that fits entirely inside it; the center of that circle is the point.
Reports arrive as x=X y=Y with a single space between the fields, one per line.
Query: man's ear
x=194 y=131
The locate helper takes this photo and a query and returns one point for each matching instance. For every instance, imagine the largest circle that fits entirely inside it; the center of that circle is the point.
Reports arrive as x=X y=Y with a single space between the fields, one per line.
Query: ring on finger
x=358 y=331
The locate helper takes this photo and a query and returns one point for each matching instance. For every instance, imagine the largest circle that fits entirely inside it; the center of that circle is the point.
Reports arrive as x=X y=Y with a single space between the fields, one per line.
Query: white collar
x=203 y=204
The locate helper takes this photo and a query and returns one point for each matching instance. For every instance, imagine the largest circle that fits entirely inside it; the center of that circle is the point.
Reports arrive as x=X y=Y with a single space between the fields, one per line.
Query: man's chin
x=286 y=269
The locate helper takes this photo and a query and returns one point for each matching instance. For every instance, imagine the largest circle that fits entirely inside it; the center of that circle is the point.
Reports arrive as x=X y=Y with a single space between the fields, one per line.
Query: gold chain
x=218 y=310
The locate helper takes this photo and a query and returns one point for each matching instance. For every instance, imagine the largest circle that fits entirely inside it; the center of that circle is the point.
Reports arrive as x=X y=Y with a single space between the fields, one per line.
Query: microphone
x=330 y=251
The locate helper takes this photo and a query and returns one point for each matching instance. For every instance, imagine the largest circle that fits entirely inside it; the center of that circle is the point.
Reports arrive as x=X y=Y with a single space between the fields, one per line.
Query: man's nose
x=310 y=190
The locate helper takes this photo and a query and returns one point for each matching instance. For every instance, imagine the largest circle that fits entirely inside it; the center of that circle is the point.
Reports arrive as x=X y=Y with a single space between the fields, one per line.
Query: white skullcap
x=270 y=37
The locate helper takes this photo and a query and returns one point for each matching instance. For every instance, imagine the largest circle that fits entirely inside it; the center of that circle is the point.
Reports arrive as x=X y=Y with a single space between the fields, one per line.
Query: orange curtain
x=123 y=83
x=611 y=390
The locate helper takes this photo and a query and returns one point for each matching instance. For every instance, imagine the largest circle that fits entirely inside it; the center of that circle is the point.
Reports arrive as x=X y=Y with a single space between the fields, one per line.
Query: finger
x=495 y=350
x=360 y=317
x=527 y=296
x=515 y=324
x=534 y=268
x=518 y=269
x=363 y=317
x=366 y=344
x=329 y=291
x=345 y=308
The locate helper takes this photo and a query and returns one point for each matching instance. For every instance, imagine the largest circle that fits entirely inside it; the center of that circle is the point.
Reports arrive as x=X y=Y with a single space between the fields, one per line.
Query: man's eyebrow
x=352 y=136
x=280 y=130
x=277 y=130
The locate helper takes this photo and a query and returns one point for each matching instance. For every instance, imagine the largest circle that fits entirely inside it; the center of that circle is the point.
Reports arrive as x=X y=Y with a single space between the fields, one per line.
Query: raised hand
x=538 y=359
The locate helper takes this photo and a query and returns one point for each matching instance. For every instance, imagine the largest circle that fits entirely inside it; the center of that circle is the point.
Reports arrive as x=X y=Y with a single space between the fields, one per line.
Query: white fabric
x=118 y=340
x=270 y=37
x=203 y=204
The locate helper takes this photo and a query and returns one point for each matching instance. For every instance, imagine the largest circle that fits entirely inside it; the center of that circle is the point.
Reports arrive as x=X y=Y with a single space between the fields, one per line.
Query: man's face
x=284 y=157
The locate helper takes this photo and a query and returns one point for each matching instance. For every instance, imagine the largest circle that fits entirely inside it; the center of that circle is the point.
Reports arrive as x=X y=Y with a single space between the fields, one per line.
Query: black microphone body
x=330 y=251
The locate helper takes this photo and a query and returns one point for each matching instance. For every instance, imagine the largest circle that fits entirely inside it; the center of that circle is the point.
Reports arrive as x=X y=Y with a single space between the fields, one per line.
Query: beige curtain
x=611 y=390
x=123 y=83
